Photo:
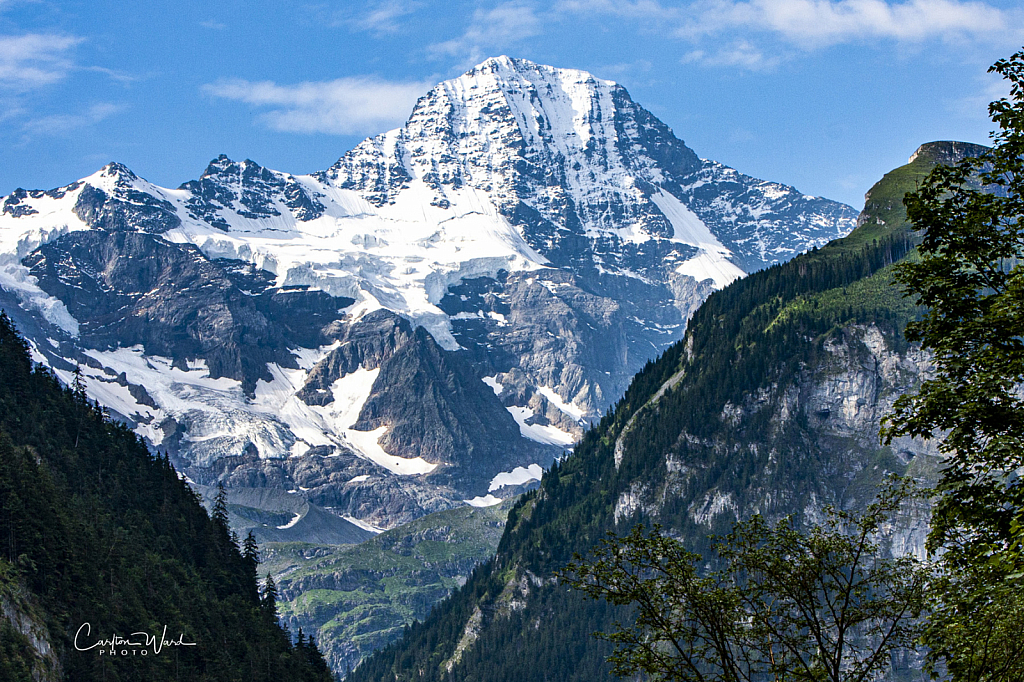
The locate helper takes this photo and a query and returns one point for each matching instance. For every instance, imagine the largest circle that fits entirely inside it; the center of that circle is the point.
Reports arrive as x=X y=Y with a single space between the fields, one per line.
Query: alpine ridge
x=430 y=320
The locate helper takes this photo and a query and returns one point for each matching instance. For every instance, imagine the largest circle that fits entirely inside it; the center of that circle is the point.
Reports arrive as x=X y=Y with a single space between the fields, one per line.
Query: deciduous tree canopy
x=971 y=279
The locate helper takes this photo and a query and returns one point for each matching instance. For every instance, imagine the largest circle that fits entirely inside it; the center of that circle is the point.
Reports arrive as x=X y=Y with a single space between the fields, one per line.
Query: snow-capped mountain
x=429 y=320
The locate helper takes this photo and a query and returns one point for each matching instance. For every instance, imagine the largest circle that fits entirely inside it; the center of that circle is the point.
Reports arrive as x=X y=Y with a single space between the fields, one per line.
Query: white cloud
x=740 y=54
x=119 y=76
x=383 y=18
x=817 y=23
x=492 y=31
x=622 y=68
x=378 y=17
x=811 y=24
x=62 y=124
x=632 y=9
x=344 y=106
x=34 y=59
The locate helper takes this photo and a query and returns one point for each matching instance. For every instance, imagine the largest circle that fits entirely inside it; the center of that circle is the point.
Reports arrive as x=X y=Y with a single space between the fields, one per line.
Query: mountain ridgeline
x=100 y=539
x=770 y=404
x=450 y=302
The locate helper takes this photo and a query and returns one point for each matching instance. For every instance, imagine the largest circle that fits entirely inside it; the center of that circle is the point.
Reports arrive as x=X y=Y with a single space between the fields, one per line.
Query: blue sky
x=825 y=95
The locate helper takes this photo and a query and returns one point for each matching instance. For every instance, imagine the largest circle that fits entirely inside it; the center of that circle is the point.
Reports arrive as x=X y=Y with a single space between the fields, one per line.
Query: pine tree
x=269 y=602
x=78 y=383
x=251 y=552
x=78 y=386
x=220 y=507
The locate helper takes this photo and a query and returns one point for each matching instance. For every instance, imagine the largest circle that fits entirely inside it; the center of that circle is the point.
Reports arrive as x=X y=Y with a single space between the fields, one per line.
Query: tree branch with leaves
x=971 y=279
x=826 y=604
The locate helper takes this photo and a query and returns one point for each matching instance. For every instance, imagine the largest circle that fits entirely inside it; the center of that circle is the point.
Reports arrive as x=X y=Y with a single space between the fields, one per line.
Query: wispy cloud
x=119 y=76
x=491 y=31
x=33 y=60
x=805 y=25
x=63 y=124
x=342 y=107
x=631 y=9
x=740 y=54
x=990 y=87
x=384 y=17
x=376 y=17
x=819 y=23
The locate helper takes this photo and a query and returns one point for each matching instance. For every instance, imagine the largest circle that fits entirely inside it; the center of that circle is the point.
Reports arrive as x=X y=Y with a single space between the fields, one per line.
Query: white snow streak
x=550 y=435
x=363 y=524
x=295 y=519
x=487 y=500
x=713 y=260
x=570 y=409
x=517 y=476
x=493 y=383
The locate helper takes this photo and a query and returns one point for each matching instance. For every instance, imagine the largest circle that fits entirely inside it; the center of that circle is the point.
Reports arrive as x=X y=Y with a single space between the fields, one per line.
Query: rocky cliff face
x=450 y=302
x=817 y=444
x=133 y=289
x=23 y=625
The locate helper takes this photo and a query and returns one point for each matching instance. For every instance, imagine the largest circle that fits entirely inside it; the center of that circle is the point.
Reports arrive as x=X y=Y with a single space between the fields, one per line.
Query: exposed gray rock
x=275 y=515
x=367 y=343
x=127 y=209
x=127 y=288
x=248 y=189
x=19 y=610
x=827 y=422
x=436 y=407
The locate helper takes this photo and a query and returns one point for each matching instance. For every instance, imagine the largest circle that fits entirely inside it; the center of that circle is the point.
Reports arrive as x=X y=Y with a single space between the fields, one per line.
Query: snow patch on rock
x=712 y=262
x=493 y=383
x=295 y=519
x=542 y=433
x=570 y=409
x=350 y=394
x=487 y=500
x=517 y=476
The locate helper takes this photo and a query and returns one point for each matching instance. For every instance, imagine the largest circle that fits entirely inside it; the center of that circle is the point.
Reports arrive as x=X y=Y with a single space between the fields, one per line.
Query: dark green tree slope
x=95 y=529
x=734 y=419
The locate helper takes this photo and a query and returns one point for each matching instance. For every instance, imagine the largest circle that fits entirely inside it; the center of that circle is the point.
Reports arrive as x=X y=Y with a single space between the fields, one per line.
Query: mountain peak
x=118 y=171
x=499 y=62
x=947 y=152
x=567 y=158
x=505 y=66
x=217 y=166
x=224 y=164
x=525 y=131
